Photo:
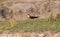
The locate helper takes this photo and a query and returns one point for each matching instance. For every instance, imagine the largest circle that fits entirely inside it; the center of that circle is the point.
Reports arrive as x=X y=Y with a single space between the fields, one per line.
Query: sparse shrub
x=11 y=22
x=57 y=16
x=51 y=18
x=7 y=25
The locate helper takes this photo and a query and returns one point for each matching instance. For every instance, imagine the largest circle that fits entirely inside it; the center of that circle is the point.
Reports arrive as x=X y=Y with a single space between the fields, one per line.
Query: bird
x=32 y=17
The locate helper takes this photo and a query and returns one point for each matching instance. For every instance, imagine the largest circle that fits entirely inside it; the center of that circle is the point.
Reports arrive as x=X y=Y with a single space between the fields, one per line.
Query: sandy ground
x=31 y=34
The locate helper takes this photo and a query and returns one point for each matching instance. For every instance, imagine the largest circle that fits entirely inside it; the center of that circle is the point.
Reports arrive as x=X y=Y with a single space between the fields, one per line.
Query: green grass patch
x=31 y=25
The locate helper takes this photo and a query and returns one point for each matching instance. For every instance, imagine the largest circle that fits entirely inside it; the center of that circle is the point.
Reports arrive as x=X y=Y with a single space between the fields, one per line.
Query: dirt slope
x=25 y=9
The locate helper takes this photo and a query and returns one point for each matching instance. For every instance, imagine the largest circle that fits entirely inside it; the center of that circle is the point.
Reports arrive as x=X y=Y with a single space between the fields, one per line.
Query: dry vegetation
x=31 y=25
x=2 y=1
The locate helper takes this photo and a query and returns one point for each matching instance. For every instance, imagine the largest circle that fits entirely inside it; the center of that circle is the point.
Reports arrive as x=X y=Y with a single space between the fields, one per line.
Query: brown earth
x=29 y=9
x=31 y=34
